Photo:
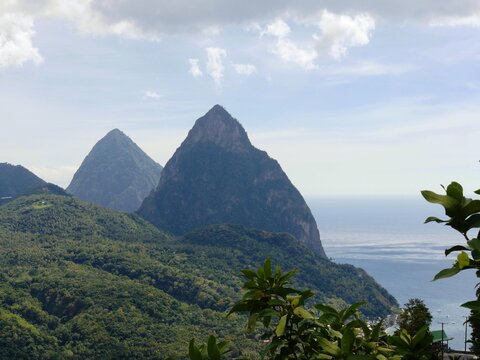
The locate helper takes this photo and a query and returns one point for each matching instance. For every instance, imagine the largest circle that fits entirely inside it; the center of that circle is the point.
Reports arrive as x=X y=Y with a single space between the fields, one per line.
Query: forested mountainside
x=80 y=281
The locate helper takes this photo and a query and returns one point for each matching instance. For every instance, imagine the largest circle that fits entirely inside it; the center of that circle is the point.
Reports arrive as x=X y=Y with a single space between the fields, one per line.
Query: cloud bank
x=16 y=48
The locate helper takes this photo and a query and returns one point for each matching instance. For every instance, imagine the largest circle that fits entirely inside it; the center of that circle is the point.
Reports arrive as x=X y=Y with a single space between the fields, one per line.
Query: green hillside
x=83 y=282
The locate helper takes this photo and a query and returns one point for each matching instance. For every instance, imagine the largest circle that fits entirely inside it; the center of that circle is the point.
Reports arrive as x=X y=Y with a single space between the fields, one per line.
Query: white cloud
x=289 y=52
x=340 y=32
x=150 y=94
x=195 y=68
x=278 y=28
x=91 y=21
x=244 y=69
x=471 y=20
x=215 y=67
x=163 y=16
x=16 y=46
x=286 y=49
x=154 y=18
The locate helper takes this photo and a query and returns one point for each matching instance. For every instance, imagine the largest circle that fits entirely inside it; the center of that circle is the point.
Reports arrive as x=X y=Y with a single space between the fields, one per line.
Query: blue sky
x=371 y=98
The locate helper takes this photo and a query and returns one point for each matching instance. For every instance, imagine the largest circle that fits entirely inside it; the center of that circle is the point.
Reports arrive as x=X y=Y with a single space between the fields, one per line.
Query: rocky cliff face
x=116 y=174
x=217 y=176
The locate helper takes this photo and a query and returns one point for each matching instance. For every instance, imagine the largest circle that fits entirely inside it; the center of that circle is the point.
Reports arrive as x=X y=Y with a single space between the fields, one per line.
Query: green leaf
x=446 y=201
x=239 y=307
x=463 y=260
x=294 y=300
x=473 y=222
x=213 y=352
x=471 y=208
x=252 y=322
x=329 y=347
x=280 y=330
x=472 y=305
x=267 y=268
x=347 y=341
x=223 y=347
x=260 y=273
x=352 y=309
x=376 y=331
x=446 y=273
x=268 y=312
x=303 y=313
x=455 y=248
x=434 y=219
x=477 y=192
x=276 y=302
x=326 y=309
x=193 y=351
x=474 y=244
x=324 y=356
x=455 y=190
x=249 y=274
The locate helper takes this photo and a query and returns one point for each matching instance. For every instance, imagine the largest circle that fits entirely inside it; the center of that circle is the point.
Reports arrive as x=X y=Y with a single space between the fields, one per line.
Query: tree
x=414 y=316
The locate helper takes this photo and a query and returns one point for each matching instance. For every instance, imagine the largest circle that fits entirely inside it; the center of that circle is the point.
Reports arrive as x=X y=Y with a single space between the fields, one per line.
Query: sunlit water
x=387 y=238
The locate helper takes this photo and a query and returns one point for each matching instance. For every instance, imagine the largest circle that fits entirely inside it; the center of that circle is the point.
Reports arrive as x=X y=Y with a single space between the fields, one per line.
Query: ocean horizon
x=387 y=237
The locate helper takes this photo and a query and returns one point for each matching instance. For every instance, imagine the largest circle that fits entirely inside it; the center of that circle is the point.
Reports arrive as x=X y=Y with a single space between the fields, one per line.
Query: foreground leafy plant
x=463 y=215
x=293 y=331
x=415 y=347
x=211 y=351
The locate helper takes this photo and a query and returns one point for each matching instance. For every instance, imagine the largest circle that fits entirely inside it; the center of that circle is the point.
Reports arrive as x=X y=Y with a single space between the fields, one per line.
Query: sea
x=387 y=237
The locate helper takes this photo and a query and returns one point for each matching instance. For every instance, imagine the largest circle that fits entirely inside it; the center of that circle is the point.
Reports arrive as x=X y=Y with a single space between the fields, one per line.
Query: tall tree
x=414 y=316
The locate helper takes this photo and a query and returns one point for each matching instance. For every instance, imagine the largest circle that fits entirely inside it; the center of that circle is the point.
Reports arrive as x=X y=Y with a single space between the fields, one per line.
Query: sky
x=351 y=97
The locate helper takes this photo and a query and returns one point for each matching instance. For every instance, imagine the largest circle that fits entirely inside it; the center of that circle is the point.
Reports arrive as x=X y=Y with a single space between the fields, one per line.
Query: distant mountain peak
x=219 y=127
x=116 y=132
x=16 y=180
x=116 y=173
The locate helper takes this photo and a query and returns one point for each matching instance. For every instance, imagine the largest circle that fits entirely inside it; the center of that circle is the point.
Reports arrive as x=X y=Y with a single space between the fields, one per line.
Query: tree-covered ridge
x=67 y=216
x=333 y=283
x=81 y=281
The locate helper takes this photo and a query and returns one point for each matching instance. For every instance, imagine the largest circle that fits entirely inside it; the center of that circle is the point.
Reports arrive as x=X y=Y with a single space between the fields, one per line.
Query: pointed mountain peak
x=115 y=132
x=219 y=127
x=115 y=174
x=218 y=177
x=116 y=135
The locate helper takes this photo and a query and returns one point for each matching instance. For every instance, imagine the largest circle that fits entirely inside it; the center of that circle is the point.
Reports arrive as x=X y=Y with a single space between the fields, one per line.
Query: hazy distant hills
x=81 y=281
x=116 y=174
x=217 y=176
x=16 y=180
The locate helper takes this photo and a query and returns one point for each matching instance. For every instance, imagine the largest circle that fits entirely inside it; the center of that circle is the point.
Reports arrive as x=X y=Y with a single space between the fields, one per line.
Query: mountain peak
x=116 y=132
x=218 y=177
x=116 y=173
x=219 y=127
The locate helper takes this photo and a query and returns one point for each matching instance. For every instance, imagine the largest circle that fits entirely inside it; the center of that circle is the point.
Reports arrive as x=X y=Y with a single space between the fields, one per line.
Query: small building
x=440 y=335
